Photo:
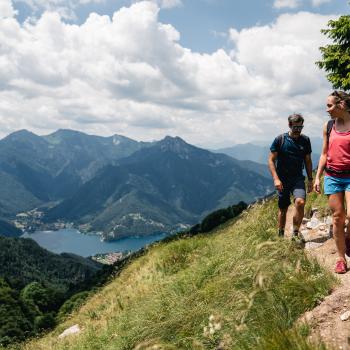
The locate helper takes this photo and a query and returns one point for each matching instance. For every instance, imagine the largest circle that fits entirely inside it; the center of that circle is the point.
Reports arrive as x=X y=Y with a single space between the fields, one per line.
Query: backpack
x=280 y=138
x=329 y=128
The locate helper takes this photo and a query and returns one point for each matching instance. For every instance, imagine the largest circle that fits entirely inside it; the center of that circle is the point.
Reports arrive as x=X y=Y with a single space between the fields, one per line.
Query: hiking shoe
x=340 y=266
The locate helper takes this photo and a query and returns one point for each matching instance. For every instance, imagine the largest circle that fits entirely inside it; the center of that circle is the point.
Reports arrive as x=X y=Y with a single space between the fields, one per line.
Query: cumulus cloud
x=129 y=74
x=287 y=4
x=6 y=9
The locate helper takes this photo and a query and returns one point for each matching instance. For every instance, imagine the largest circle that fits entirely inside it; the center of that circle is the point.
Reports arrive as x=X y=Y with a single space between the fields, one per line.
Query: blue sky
x=203 y=23
x=214 y=72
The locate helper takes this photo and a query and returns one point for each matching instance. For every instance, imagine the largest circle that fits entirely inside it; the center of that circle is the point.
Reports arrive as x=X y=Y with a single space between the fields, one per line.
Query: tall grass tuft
x=240 y=287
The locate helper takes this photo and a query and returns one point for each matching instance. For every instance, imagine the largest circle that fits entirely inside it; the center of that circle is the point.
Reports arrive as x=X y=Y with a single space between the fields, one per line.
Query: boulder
x=69 y=331
x=313 y=223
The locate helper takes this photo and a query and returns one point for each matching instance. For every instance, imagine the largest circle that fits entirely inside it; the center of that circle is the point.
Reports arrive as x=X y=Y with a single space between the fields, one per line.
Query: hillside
x=34 y=283
x=23 y=261
x=9 y=230
x=238 y=287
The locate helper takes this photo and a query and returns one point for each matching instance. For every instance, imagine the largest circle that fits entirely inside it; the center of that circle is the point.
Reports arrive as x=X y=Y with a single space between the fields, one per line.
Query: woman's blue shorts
x=336 y=184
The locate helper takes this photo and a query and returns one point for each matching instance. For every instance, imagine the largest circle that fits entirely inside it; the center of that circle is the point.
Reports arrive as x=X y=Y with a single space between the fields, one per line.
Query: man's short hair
x=295 y=118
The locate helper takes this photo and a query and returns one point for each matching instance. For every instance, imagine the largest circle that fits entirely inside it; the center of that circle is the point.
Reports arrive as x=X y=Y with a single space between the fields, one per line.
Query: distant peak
x=67 y=132
x=173 y=140
x=23 y=133
x=176 y=145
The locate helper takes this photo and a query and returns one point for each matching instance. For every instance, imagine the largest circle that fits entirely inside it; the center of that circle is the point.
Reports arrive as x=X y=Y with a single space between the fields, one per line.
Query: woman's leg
x=336 y=204
x=347 y=215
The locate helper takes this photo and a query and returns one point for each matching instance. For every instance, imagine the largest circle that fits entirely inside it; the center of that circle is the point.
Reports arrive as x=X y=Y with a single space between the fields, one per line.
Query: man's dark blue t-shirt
x=291 y=156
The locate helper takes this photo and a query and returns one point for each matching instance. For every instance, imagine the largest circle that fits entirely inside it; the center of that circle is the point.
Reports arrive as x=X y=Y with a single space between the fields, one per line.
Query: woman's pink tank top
x=338 y=155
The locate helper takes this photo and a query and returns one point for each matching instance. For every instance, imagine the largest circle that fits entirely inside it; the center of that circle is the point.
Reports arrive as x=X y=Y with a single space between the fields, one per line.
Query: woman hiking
x=335 y=161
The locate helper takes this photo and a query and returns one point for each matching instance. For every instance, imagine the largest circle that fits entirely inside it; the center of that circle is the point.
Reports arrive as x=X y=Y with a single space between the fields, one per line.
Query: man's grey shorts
x=295 y=188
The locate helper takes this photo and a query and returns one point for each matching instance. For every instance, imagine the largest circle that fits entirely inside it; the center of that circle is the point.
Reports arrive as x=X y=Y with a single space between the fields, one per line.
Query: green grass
x=239 y=287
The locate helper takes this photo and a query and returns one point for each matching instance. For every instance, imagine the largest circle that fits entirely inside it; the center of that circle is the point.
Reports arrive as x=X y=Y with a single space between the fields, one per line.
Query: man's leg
x=283 y=204
x=299 y=205
x=299 y=194
x=282 y=216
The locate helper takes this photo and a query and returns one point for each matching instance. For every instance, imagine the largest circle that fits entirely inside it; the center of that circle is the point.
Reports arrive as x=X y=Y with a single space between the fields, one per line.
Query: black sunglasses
x=297 y=127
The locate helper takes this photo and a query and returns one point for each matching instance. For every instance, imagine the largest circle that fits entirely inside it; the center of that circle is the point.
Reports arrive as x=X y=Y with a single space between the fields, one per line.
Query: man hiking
x=291 y=151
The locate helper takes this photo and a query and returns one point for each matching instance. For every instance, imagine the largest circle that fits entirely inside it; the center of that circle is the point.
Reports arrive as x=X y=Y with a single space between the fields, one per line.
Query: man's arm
x=272 y=166
x=308 y=168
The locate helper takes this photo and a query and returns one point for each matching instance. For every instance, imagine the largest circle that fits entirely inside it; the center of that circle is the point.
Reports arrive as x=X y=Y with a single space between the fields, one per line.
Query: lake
x=72 y=241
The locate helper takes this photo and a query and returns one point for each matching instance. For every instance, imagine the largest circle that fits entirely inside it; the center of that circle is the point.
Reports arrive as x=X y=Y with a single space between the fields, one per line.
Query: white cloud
x=129 y=75
x=287 y=4
x=6 y=9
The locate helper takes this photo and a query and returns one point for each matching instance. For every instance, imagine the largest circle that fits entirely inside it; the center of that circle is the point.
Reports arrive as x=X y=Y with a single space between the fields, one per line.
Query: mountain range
x=160 y=188
x=120 y=186
x=35 y=169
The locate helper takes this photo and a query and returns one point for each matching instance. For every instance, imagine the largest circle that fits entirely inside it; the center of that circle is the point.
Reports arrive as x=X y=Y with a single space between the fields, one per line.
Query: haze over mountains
x=259 y=152
x=120 y=186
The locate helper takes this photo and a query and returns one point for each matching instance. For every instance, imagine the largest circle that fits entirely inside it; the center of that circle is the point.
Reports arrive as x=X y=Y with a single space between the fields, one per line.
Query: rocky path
x=326 y=319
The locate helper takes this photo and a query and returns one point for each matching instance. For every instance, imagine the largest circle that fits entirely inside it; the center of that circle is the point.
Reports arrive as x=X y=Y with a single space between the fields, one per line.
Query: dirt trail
x=325 y=318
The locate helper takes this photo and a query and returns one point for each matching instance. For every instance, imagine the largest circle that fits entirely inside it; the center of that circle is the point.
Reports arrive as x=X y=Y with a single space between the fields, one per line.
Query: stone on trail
x=345 y=316
x=328 y=220
x=312 y=245
x=305 y=220
x=69 y=331
x=313 y=223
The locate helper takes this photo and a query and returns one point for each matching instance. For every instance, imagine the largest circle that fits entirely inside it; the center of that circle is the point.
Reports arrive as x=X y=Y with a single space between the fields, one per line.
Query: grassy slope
x=243 y=280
